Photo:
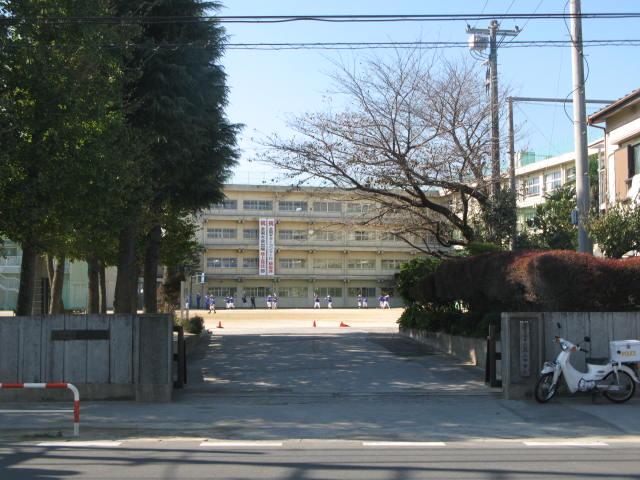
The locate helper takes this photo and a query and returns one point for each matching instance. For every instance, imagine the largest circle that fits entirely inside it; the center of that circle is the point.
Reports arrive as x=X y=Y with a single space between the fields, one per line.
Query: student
x=198 y=298
x=381 y=301
x=316 y=303
x=253 y=301
x=365 y=302
x=386 y=302
x=244 y=300
x=269 y=301
x=274 y=302
x=359 y=301
x=212 y=304
x=329 y=301
x=232 y=302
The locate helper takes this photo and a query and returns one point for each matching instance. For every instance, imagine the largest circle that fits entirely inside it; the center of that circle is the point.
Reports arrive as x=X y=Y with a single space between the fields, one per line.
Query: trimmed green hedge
x=451 y=321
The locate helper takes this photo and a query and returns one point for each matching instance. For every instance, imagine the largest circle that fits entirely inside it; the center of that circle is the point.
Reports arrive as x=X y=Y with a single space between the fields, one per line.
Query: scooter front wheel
x=545 y=388
x=624 y=386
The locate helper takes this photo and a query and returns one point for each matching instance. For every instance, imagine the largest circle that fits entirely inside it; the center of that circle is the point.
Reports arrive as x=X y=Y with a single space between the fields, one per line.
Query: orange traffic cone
x=342 y=324
x=314 y=323
x=220 y=324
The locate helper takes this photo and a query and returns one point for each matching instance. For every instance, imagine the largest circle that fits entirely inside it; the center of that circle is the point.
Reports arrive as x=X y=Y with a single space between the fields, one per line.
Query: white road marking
x=36 y=411
x=243 y=444
x=404 y=444
x=566 y=444
x=103 y=444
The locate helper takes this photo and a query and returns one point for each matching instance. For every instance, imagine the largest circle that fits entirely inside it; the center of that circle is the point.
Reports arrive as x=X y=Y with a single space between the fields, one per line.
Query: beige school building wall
x=322 y=247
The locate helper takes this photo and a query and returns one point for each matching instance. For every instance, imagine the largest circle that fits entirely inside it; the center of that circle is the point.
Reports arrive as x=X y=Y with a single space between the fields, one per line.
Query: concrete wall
x=134 y=362
x=468 y=349
x=602 y=327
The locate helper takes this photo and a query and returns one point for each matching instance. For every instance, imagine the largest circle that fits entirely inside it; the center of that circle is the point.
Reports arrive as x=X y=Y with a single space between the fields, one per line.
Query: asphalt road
x=191 y=459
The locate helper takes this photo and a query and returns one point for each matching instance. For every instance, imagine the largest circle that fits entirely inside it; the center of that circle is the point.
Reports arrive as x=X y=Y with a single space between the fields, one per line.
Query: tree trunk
x=56 y=305
x=151 y=270
x=126 y=300
x=171 y=288
x=26 y=290
x=94 y=285
x=50 y=269
x=103 y=287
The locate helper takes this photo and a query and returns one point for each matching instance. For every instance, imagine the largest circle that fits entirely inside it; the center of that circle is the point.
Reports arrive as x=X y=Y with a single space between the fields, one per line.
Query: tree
x=616 y=231
x=413 y=137
x=180 y=96
x=551 y=226
x=60 y=102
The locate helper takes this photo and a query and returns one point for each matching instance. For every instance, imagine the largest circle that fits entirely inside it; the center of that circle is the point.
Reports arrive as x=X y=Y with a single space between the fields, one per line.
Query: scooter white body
x=583 y=381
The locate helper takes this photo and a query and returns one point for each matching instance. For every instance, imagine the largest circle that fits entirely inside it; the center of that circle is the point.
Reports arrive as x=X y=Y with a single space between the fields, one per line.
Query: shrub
x=557 y=280
x=451 y=321
x=193 y=324
x=411 y=275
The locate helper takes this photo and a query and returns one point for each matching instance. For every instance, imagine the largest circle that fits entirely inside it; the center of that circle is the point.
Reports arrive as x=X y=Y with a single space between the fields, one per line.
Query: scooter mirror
x=587 y=339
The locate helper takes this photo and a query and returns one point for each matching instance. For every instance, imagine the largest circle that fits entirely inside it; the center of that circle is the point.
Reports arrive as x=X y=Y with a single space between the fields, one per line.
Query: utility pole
x=493 y=32
x=580 y=128
x=512 y=172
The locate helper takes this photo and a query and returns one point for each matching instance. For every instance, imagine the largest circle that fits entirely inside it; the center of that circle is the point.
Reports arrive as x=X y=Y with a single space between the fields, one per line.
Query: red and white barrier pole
x=69 y=386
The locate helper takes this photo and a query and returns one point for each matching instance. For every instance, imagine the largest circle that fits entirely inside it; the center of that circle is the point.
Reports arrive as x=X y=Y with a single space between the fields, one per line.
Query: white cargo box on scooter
x=625 y=351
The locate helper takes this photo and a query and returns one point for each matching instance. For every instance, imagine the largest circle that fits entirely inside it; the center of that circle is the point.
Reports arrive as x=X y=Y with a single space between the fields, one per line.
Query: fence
x=106 y=356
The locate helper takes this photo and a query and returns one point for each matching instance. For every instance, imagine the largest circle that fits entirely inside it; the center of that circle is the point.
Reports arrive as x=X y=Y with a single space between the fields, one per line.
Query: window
x=359 y=207
x=364 y=291
x=292 y=206
x=220 y=262
x=361 y=264
x=532 y=186
x=335 y=292
x=392 y=264
x=333 y=207
x=327 y=236
x=571 y=174
x=292 y=235
x=222 y=291
x=634 y=160
x=388 y=237
x=362 y=236
x=221 y=233
x=250 y=234
x=327 y=263
x=291 y=263
x=553 y=181
x=256 y=291
x=227 y=204
x=293 y=292
x=257 y=204
x=250 y=262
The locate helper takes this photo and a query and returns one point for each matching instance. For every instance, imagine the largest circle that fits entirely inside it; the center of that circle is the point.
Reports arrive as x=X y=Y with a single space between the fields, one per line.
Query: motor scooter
x=614 y=379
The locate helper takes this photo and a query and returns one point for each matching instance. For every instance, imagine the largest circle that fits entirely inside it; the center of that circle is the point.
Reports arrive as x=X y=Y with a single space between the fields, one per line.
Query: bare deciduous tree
x=413 y=137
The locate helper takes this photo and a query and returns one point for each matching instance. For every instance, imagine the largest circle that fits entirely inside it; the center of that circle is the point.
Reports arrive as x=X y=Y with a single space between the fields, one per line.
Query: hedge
x=557 y=280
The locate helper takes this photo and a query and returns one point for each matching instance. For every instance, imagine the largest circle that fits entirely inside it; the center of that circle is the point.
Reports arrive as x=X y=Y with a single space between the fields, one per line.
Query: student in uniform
x=316 y=303
x=232 y=302
x=359 y=301
x=386 y=301
x=274 y=302
x=329 y=301
x=269 y=300
x=364 y=302
x=253 y=301
x=212 y=304
x=381 y=301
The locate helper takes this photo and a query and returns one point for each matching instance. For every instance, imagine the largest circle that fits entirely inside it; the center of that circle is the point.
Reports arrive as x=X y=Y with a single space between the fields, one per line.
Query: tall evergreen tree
x=180 y=97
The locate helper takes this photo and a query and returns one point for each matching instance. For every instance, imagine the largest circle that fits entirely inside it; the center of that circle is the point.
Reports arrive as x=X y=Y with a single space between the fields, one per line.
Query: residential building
x=319 y=247
x=620 y=155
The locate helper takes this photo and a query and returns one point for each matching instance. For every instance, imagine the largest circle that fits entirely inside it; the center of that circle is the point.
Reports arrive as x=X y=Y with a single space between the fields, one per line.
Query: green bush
x=411 y=274
x=478 y=248
x=449 y=320
x=193 y=325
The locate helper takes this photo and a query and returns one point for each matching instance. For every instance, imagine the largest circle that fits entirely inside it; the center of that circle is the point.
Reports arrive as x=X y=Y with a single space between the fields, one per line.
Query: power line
x=257 y=19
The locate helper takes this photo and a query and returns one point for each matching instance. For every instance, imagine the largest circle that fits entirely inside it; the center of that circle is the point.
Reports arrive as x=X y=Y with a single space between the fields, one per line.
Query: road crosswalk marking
x=568 y=443
x=99 y=444
x=240 y=444
x=404 y=444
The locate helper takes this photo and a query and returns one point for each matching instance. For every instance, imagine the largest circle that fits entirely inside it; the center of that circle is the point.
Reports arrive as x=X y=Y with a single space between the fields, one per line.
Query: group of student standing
x=272 y=302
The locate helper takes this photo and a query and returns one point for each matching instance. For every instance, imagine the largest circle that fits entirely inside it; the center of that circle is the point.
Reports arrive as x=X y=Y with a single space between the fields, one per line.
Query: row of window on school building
x=295 y=206
x=301 y=263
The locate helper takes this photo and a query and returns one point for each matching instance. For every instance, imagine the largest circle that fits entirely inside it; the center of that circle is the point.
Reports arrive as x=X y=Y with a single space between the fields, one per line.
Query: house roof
x=614 y=107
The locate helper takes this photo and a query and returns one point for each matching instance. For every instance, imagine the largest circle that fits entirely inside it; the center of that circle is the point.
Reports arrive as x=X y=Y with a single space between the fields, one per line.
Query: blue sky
x=268 y=86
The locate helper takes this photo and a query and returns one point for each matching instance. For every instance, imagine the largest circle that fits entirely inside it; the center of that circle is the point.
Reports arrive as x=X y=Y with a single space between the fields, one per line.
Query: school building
x=297 y=243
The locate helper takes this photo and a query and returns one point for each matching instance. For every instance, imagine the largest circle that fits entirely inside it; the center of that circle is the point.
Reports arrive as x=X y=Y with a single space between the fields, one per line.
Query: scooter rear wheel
x=624 y=382
x=545 y=389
